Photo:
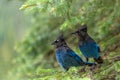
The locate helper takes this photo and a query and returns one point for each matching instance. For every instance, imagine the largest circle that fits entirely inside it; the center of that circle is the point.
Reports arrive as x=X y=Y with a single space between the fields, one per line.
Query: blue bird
x=65 y=56
x=87 y=45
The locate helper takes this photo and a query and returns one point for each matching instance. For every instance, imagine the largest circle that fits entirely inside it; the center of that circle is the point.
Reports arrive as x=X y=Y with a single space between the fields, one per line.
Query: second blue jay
x=87 y=45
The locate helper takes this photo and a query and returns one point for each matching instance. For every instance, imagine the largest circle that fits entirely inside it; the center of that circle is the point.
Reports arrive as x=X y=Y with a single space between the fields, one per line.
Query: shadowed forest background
x=27 y=28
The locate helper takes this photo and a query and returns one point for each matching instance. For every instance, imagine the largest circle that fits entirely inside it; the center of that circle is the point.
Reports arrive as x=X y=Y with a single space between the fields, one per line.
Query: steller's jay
x=65 y=56
x=87 y=45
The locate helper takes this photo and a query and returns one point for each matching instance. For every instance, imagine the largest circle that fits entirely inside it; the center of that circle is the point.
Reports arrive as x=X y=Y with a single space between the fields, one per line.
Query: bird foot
x=81 y=70
x=93 y=67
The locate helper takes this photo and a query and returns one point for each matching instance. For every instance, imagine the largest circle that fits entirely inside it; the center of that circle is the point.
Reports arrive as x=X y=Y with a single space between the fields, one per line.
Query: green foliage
x=49 y=17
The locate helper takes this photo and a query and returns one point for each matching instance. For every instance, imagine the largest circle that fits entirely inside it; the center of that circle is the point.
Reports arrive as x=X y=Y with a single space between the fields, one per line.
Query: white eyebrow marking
x=57 y=40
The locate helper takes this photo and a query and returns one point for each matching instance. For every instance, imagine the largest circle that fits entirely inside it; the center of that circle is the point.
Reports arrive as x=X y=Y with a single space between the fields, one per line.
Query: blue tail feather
x=89 y=63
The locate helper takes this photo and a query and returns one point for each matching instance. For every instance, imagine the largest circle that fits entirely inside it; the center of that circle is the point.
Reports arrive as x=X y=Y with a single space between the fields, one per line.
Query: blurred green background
x=27 y=27
x=13 y=26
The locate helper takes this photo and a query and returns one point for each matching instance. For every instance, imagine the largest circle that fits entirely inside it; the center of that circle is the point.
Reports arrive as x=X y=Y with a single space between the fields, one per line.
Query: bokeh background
x=27 y=28
x=13 y=26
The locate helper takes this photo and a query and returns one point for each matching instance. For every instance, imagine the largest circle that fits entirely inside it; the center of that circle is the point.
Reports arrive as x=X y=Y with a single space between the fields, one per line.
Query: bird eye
x=57 y=41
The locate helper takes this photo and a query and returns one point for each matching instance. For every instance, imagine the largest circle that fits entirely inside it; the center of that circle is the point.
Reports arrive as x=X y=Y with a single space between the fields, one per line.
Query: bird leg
x=87 y=59
x=81 y=70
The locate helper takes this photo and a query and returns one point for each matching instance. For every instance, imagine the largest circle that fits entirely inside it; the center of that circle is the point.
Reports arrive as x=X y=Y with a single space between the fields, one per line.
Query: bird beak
x=73 y=33
x=53 y=43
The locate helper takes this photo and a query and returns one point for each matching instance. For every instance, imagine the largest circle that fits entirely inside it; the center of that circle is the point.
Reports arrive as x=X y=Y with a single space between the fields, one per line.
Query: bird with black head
x=87 y=45
x=65 y=56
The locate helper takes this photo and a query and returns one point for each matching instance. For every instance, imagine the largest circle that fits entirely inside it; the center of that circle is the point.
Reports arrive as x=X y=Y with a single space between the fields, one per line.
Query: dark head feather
x=83 y=28
x=60 y=41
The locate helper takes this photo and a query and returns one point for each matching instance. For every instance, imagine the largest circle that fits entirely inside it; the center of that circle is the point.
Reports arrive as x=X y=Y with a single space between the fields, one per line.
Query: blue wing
x=90 y=49
x=67 y=58
x=75 y=56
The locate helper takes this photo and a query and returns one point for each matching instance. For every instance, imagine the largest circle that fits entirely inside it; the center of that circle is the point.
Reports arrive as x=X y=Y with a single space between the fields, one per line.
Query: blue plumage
x=65 y=56
x=89 y=49
x=87 y=45
x=66 y=59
